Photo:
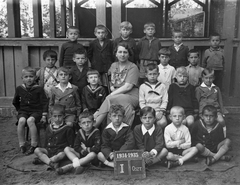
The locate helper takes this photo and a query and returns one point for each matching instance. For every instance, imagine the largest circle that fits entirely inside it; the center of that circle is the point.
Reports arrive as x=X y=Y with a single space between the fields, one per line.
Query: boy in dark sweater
x=179 y=52
x=58 y=136
x=182 y=94
x=149 y=137
x=207 y=135
x=31 y=104
x=117 y=136
x=93 y=94
x=86 y=146
x=68 y=48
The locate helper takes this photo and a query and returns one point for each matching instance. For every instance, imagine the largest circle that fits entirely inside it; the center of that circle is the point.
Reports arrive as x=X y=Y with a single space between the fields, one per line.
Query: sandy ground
x=9 y=149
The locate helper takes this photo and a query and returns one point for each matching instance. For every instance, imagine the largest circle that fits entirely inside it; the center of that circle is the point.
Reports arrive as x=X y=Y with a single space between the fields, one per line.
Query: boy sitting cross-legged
x=209 y=138
x=86 y=147
x=58 y=136
x=149 y=137
x=178 y=139
x=117 y=136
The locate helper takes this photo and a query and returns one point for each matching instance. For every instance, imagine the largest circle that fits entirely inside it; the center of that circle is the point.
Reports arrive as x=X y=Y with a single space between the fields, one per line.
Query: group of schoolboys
x=171 y=88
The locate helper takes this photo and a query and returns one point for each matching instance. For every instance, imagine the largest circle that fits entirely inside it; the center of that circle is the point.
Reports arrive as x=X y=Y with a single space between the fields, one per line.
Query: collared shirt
x=166 y=74
x=49 y=80
x=173 y=135
x=177 y=47
x=204 y=85
x=55 y=126
x=150 y=131
x=119 y=128
x=194 y=74
x=69 y=86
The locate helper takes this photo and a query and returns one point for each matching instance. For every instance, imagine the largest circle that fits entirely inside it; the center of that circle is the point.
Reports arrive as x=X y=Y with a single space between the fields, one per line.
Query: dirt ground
x=9 y=149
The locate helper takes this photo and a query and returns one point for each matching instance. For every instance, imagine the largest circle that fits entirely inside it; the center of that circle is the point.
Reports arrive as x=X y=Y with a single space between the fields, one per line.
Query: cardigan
x=154 y=141
x=210 y=139
x=57 y=139
x=91 y=141
x=178 y=58
x=156 y=98
x=101 y=57
x=31 y=99
x=93 y=99
x=213 y=58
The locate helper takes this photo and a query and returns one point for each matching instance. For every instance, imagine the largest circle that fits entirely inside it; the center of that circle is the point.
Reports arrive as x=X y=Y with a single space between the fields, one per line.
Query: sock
x=207 y=152
x=76 y=162
x=180 y=161
x=225 y=131
x=109 y=163
x=223 y=149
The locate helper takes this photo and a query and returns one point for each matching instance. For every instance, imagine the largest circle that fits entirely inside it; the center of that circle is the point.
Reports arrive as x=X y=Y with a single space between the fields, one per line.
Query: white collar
x=164 y=67
x=150 y=131
x=204 y=85
x=69 y=86
x=178 y=46
x=120 y=127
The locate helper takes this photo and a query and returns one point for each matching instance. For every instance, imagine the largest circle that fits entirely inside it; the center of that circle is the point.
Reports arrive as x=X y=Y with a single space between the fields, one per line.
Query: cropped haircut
x=177 y=108
x=215 y=35
x=29 y=69
x=93 y=72
x=145 y=110
x=73 y=28
x=58 y=107
x=100 y=27
x=80 y=52
x=115 y=108
x=210 y=108
x=164 y=51
x=149 y=24
x=86 y=114
x=63 y=69
x=177 y=31
x=151 y=67
x=50 y=53
x=193 y=51
x=207 y=71
x=182 y=70
x=125 y=24
x=126 y=46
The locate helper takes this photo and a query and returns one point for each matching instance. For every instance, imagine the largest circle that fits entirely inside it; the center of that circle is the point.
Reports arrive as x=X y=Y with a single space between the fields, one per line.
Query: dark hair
x=80 y=52
x=207 y=71
x=146 y=110
x=58 y=107
x=29 y=69
x=126 y=46
x=176 y=31
x=210 y=108
x=101 y=27
x=64 y=69
x=164 y=51
x=149 y=24
x=86 y=114
x=73 y=28
x=215 y=35
x=50 y=53
x=193 y=51
x=115 y=108
x=151 y=67
x=93 y=72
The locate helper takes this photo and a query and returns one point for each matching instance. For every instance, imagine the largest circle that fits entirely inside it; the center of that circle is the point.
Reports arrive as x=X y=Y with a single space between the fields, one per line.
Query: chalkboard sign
x=129 y=163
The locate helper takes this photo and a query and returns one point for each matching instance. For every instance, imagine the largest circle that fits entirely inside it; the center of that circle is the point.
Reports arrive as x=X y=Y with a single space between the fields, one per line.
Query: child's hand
x=83 y=146
x=181 y=141
x=111 y=155
x=43 y=119
x=146 y=154
x=112 y=88
x=159 y=115
x=152 y=154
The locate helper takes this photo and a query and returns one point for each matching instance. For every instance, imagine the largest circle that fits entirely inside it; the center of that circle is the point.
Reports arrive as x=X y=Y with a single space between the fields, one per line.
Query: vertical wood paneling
x=9 y=71
x=18 y=65
x=2 y=78
x=116 y=17
x=37 y=18
x=34 y=57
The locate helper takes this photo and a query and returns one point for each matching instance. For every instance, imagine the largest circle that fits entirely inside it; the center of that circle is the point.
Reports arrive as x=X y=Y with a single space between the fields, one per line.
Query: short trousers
x=175 y=151
x=26 y=115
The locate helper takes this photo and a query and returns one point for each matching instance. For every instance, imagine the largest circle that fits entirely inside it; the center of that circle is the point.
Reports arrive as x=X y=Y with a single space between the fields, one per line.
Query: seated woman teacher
x=124 y=90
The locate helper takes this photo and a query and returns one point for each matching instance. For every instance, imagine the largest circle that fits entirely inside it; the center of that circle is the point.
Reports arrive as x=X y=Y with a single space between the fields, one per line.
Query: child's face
x=63 y=77
x=152 y=75
x=148 y=120
x=100 y=34
x=149 y=31
x=116 y=118
x=80 y=59
x=177 y=117
x=93 y=79
x=215 y=41
x=72 y=34
x=125 y=32
x=181 y=79
x=177 y=38
x=57 y=117
x=164 y=59
x=208 y=117
x=208 y=80
x=193 y=59
x=86 y=124
x=28 y=78
x=50 y=62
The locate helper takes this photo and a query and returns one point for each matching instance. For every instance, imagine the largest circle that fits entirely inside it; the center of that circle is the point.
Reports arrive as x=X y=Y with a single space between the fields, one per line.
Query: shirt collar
x=174 y=128
x=150 y=131
x=145 y=37
x=204 y=85
x=120 y=127
x=54 y=126
x=69 y=86
x=212 y=49
x=163 y=67
x=177 y=46
x=190 y=65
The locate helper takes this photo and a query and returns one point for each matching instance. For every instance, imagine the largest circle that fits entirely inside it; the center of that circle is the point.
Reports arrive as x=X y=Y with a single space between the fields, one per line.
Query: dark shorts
x=26 y=115
x=189 y=112
x=175 y=151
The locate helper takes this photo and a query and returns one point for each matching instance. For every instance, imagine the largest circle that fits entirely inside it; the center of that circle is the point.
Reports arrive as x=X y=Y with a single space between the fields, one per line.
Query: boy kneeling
x=209 y=138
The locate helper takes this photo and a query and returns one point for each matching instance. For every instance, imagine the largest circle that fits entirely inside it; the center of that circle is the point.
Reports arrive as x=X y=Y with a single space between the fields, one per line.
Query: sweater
x=178 y=58
x=213 y=58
